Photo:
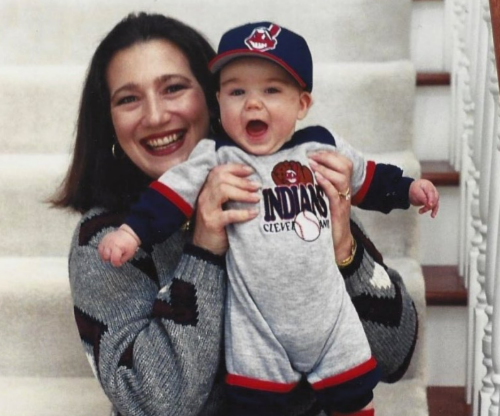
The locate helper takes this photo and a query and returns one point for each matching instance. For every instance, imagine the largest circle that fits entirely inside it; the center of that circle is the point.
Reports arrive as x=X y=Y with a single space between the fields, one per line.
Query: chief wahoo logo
x=263 y=38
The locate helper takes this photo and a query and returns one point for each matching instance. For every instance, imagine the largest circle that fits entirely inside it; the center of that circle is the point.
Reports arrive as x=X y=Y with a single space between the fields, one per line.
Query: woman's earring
x=113 y=151
x=116 y=151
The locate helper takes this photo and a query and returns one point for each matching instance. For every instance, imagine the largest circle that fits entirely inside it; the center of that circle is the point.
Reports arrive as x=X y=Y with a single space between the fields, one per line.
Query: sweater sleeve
x=151 y=329
x=385 y=308
x=169 y=201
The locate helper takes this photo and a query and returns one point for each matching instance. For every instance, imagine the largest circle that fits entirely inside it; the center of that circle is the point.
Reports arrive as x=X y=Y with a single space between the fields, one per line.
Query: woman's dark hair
x=95 y=177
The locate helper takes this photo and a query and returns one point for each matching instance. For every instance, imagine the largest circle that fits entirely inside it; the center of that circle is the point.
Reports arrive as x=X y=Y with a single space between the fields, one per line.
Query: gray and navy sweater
x=152 y=329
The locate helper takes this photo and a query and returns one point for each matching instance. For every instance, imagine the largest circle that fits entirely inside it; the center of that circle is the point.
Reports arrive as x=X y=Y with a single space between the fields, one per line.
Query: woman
x=152 y=329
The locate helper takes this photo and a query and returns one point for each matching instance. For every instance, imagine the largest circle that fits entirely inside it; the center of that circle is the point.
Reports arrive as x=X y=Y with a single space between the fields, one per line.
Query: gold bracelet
x=346 y=262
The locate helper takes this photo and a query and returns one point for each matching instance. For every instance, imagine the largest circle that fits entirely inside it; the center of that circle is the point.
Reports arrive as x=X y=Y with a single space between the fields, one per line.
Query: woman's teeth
x=164 y=141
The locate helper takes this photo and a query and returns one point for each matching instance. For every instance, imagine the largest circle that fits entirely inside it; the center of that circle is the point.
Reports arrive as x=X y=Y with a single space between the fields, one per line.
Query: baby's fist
x=424 y=194
x=119 y=246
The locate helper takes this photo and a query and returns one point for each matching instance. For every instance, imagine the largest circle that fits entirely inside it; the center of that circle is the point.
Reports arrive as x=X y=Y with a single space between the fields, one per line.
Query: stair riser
x=430 y=36
x=370 y=105
x=38 y=32
x=439 y=237
x=445 y=345
x=39 y=112
x=432 y=121
x=29 y=226
x=39 y=333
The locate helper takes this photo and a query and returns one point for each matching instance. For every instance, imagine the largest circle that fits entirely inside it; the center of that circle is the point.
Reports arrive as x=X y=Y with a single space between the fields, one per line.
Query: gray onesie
x=288 y=314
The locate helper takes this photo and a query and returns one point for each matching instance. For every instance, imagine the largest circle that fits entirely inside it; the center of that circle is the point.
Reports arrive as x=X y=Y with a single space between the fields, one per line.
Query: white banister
x=484 y=123
x=476 y=140
x=492 y=255
x=494 y=261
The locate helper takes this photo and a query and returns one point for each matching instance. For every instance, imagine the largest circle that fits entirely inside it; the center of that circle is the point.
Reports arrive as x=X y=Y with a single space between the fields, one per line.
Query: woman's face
x=158 y=108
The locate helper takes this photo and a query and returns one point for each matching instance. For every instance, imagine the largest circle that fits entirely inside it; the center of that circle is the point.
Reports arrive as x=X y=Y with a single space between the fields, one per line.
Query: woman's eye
x=126 y=100
x=171 y=89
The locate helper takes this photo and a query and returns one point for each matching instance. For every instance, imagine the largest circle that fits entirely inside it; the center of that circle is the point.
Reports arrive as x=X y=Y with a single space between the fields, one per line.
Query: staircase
x=372 y=86
x=446 y=295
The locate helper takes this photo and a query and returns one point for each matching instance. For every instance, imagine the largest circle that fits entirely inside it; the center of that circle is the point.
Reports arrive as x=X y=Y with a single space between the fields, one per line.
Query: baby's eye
x=272 y=90
x=237 y=92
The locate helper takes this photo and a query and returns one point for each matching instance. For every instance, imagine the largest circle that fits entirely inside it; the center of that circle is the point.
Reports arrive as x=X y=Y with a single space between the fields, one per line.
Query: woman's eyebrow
x=126 y=87
x=169 y=77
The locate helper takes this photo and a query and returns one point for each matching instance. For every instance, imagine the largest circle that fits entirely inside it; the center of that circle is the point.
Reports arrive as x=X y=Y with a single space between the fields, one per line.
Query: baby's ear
x=306 y=102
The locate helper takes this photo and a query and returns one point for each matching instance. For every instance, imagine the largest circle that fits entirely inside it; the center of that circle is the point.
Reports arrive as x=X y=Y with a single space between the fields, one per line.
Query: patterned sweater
x=153 y=328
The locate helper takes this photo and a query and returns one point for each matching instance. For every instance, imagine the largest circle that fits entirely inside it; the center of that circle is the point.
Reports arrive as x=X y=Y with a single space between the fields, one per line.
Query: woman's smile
x=163 y=143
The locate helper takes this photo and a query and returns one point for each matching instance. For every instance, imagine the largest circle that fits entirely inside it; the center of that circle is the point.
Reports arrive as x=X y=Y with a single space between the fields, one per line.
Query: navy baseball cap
x=269 y=41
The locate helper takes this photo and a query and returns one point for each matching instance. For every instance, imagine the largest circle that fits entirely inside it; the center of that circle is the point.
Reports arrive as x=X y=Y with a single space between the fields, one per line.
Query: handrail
x=495 y=25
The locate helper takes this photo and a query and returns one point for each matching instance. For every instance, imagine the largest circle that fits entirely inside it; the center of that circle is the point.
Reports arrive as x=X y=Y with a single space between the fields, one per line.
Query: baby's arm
x=424 y=194
x=119 y=246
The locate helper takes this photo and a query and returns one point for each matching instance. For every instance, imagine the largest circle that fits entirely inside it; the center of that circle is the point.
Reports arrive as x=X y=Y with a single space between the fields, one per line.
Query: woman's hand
x=333 y=172
x=224 y=183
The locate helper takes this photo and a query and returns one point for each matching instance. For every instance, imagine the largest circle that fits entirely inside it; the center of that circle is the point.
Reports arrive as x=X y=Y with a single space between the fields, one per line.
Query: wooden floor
x=447 y=401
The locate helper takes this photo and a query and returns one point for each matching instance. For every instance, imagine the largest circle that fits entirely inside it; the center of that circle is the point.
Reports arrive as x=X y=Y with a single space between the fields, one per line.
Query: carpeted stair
x=364 y=91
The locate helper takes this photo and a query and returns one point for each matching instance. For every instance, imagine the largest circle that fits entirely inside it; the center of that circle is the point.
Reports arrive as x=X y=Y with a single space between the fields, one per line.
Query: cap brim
x=216 y=64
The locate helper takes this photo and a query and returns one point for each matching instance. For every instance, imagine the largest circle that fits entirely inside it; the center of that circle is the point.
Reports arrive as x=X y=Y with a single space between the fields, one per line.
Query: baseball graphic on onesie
x=296 y=204
x=307 y=225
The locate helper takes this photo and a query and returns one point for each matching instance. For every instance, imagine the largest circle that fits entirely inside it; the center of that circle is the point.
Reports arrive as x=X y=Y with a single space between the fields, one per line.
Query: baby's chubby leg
x=260 y=380
x=346 y=374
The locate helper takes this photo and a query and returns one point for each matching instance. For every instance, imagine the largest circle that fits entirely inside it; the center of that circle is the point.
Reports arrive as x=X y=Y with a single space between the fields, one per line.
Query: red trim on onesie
x=173 y=197
x=367 y=412
x=255 y=384
x=346 y=376
x=360 y=195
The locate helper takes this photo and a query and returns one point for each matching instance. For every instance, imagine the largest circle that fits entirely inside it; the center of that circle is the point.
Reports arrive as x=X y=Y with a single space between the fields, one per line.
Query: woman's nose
x=155 y=113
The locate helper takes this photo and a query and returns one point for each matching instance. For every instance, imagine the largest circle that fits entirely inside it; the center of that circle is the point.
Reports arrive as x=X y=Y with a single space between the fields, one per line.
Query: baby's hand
x=119 y=246
x=424 y=194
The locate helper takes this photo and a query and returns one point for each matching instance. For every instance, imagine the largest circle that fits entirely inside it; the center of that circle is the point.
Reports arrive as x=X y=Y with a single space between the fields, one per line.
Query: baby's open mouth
x=256 y=127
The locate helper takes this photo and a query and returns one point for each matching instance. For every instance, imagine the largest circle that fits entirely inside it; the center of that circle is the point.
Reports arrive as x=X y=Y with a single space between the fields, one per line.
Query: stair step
x=382 y=94
x=447 y=401
x=440 y=173
x=427 y=79
x=342 y=30
x=444 y=286
x=29 y=227
x=39 y=335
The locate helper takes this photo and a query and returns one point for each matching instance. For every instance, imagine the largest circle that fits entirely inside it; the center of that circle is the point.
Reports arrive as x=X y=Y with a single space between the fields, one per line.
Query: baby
x=288 y=314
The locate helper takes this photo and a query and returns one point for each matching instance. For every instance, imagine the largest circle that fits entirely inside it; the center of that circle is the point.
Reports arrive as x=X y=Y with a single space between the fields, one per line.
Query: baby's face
x=260 y=104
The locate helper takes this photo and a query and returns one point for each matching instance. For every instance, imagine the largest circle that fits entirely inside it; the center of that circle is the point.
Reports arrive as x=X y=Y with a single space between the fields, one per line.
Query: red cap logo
x=263 y=39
